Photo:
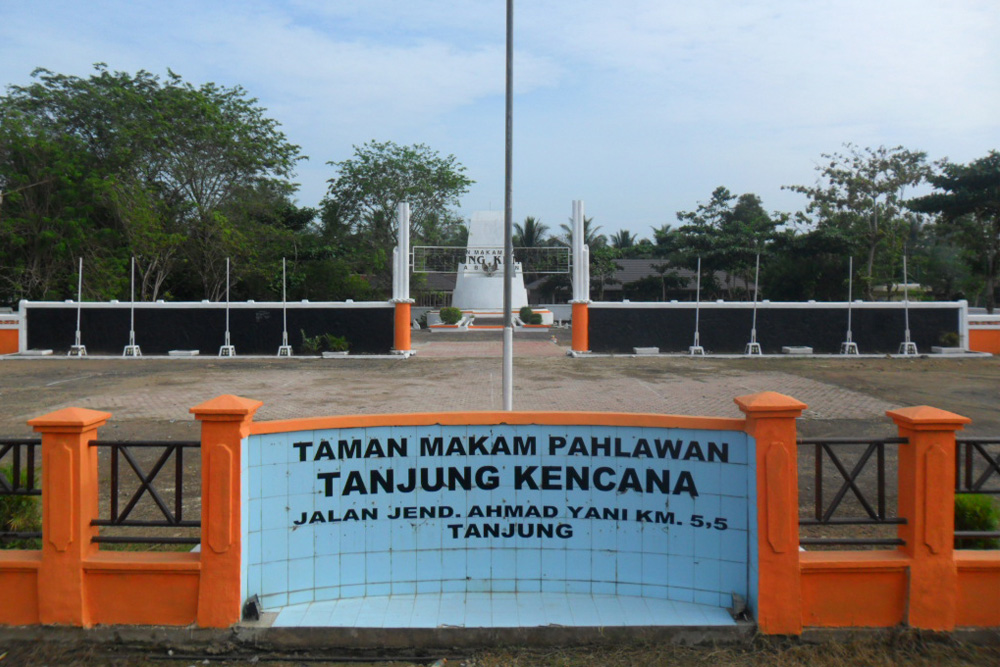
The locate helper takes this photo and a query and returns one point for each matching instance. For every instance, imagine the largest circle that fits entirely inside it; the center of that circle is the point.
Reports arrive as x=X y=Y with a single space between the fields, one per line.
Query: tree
x=370 y=185
x=727 y=233
x=145 y=167
x=970 y=203
x=590 y=236
x=531 y=234
x=602 y=268
x=863 y=192
x=623 y=239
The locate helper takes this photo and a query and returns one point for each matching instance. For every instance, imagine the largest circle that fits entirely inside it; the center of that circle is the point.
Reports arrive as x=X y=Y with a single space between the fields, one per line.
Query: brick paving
x=548 y=380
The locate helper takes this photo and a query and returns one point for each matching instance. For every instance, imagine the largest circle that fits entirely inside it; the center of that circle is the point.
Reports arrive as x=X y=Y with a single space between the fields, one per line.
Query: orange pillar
x=401 y=341
x=927 y=502
x=225 y=422
x=581 y=326
x=69 y=503
x=771 y=423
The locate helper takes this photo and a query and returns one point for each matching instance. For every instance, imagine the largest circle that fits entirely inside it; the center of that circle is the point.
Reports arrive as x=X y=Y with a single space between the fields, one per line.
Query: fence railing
x=977 y=470
x=168 y=514
x=19 y=476
x=829 y=510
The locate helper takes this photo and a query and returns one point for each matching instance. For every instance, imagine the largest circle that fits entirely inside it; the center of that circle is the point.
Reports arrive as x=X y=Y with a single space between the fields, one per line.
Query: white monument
x=479 y=283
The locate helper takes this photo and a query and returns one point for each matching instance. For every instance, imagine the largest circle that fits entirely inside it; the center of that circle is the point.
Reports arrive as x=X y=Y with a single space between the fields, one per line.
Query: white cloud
x=642 y=106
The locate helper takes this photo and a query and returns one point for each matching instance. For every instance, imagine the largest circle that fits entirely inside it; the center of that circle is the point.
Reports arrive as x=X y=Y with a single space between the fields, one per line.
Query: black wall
x=727 y=330
x=251 y=330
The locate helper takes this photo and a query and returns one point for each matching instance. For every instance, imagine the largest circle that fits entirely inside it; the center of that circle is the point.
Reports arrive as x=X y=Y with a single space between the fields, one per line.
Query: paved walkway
x=160 y=389
x=487 y=348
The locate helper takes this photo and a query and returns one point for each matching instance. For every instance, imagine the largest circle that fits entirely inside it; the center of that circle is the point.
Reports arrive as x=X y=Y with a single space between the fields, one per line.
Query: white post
x=401 y=282
x=753 y=347
x=227 y=349
x=580 y=293
x=697 y=348
x=284 y=350
x=78 y=349
x=906 y=347
x=849 y=346
x=131 y=350
x=131 y=305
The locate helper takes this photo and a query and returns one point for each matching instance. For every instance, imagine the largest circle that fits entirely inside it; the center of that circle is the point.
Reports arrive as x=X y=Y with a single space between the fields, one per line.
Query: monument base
x=502 y=610
x=486 y=318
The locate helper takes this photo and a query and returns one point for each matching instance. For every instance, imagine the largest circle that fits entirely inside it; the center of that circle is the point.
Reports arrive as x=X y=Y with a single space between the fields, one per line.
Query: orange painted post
x=225 y=422
x=401 y=341
x=69 y=504
x=927 y=502
x=581 y=327
x=771 y=423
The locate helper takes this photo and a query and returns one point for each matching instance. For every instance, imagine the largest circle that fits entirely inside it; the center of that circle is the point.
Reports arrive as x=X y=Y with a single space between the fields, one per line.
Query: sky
x=640 y=108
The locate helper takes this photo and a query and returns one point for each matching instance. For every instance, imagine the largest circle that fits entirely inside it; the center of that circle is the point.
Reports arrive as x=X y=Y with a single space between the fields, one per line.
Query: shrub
x=333 y=343
x=949 y=339
x=976 y=512
x=323 y=343
x=19 y=514
x=525 y=314
x=310 y=345
x=451 y=315
x=536 y=318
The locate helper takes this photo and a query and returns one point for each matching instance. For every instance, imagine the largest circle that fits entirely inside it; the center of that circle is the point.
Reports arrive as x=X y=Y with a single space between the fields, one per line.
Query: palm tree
x=531 y=234
x=590 y=235
x=623 y=239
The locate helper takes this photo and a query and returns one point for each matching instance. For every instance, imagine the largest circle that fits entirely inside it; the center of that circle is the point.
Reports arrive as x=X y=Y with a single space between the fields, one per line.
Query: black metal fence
x=20 y=466
x=130 y=484
x=977 y=471
x=854 y=469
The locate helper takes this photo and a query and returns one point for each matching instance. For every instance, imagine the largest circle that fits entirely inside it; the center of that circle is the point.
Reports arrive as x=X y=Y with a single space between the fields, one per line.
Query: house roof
x=637 y=269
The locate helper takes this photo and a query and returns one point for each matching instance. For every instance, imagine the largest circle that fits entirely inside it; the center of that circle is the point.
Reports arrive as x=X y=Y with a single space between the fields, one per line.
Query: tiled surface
x=308 y=388
x=607 y=553
x=499 y=610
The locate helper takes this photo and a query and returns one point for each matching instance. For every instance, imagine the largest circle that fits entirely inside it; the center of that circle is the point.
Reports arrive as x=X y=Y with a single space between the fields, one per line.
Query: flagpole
x=508 y=223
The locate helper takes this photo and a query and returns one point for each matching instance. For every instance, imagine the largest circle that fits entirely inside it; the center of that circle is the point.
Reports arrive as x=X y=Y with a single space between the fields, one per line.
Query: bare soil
x=883 y=649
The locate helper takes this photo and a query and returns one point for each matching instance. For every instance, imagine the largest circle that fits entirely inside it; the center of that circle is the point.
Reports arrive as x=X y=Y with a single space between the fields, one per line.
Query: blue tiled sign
x=638 y=511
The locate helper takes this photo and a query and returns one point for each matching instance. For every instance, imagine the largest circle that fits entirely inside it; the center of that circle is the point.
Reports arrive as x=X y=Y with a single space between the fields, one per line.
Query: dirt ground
x=893 y=649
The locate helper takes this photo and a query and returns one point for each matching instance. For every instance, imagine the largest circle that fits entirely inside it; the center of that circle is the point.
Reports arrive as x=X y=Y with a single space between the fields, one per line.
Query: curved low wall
x=255 y=328
x=617 y=504
x=725 y=327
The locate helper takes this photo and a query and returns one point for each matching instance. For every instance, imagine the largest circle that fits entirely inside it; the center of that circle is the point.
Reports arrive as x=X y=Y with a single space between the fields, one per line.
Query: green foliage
x=363 y=196
x=862 y=193
x=528 y=316
x=117 y=165
x=727 y=233
x=623 y=239
x=590 y=236
x=976 y=512
x=325 y=342
x=969 y=204
x=603 y=267
x=531 y=234
x=451 y=315
x=310 y=345
x=19 y=514
x=333 y=343
x=950 y=339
